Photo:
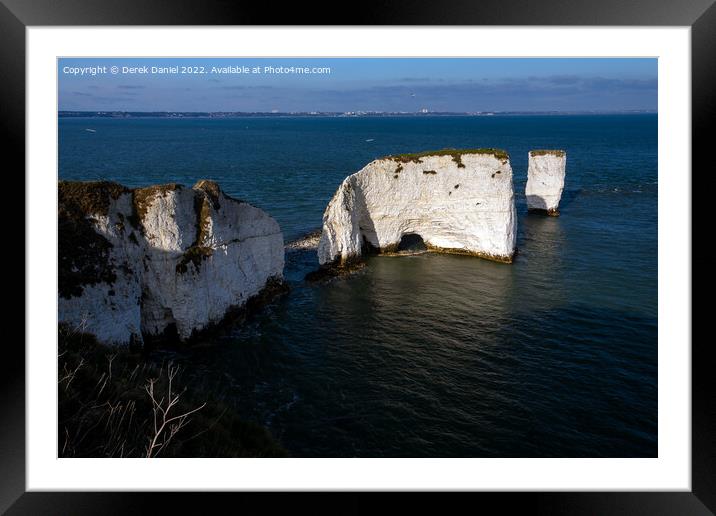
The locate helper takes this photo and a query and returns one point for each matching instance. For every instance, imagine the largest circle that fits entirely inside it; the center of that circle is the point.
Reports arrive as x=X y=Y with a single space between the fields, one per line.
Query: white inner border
x=671 y=470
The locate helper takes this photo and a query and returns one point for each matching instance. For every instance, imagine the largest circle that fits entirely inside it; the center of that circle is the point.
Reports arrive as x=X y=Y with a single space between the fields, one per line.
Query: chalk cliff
x=545 y=180
x=458 y=201
x=164 y=261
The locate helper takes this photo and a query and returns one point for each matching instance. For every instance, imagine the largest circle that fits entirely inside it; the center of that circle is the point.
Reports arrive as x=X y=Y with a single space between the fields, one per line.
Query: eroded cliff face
x=457 y=201
x=545 y=180
x=160 y=261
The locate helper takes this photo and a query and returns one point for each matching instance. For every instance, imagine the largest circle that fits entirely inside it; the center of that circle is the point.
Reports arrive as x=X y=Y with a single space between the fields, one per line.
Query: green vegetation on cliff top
x=545 y=152
x=456 y=155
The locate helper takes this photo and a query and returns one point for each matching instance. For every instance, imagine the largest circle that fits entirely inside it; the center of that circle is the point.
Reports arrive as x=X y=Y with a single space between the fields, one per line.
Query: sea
x=428 y=355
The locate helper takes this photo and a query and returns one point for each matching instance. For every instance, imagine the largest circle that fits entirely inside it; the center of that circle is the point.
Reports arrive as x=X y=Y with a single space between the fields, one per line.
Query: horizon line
x=356 y=113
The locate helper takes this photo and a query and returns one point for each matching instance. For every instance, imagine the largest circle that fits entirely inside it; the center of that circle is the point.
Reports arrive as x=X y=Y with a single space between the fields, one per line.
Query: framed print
x=447 y=252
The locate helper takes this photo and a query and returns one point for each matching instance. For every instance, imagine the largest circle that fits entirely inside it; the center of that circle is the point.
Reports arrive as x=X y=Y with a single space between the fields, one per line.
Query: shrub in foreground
x=113 y=403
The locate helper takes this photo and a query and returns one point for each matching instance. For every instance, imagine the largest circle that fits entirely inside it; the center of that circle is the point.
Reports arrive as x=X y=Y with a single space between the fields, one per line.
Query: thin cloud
x=245 y=87
x=567 y=92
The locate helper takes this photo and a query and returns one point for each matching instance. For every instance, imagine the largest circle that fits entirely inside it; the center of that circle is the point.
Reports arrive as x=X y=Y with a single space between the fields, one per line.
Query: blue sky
x=362 y=84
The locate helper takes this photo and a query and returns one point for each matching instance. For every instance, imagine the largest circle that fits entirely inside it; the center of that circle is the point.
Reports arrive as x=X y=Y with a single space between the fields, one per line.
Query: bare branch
x=166 y=426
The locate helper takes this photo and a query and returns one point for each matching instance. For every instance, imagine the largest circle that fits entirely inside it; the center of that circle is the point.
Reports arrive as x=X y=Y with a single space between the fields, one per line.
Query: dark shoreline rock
x=332 y=271
x=552 y=212
x=236 y=314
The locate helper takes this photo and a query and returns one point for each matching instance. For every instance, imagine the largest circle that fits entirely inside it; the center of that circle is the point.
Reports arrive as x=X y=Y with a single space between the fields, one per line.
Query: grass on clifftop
x=113 y=403
x=547 y=152
x=456 y=155
x=88 y=197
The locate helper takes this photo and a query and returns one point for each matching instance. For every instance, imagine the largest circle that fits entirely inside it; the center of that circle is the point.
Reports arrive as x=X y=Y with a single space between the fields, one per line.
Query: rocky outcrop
x=456 y=201
x=545 y=180
x=309 y=241
x=163 y=261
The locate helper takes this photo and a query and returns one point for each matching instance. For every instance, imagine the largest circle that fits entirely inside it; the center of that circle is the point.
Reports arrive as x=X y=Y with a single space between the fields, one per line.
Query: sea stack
x=456 y=201
x=164 y=261
x=545 y=180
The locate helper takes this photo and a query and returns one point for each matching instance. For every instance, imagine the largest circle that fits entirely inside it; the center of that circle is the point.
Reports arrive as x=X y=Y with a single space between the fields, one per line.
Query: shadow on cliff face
x=536 y=202
x=82 y=252
x=366 y=224
x=568 y=197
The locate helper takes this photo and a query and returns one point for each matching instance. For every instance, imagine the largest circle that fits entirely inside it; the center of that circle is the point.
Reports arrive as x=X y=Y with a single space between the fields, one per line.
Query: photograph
x=433 y=251
x=375 y=257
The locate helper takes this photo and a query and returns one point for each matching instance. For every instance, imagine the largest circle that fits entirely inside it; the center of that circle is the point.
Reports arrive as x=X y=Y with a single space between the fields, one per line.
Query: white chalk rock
x=545 y=180
x=457 y=201
x=160 y=260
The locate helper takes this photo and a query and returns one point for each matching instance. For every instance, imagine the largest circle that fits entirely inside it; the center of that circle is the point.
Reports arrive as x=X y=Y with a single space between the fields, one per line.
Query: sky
x=357 y=84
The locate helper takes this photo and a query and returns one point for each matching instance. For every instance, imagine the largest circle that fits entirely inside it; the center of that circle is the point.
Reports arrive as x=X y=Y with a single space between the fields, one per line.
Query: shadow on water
x=434 y=355
x=569 y=195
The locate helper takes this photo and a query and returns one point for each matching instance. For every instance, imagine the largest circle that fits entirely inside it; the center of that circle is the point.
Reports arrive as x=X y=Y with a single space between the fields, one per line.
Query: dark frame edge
x=381 y=12
x=12 y=366
x=703 y=410
x=702 y=499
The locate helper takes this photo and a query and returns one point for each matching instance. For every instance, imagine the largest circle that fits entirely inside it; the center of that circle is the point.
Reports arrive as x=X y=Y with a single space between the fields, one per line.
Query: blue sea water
x=554 y=355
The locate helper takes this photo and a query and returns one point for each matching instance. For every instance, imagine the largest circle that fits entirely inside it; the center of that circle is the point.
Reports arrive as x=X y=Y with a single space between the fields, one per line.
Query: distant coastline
x=333 y=114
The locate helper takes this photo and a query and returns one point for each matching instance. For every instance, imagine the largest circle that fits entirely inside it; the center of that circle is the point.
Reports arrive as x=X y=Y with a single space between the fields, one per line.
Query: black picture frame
x=700 y=15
